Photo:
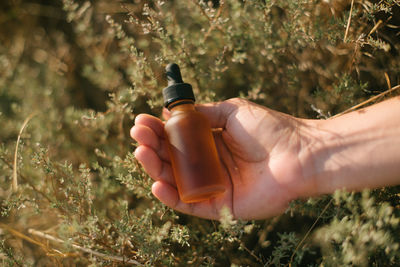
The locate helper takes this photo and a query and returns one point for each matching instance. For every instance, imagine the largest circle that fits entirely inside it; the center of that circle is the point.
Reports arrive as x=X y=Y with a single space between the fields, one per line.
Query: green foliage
x=85 y=69
x=10 y=259
x=363 y=235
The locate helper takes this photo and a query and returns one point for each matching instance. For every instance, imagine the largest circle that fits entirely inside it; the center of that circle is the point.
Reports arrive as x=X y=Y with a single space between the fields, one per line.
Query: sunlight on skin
x=270 y=158
x=254 y=192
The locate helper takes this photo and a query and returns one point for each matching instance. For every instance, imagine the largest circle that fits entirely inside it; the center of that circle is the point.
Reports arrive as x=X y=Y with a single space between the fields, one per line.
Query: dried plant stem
x=348 y=21
x=368 y=101
x=202 y=10
x=375 y=27
x=25 y=179
x=211 y=20
x=251 y=252
x=308 y=232
x=86 y=250
x=60 y=241
x=389 y=84
x=21 y=235
x=15 y=167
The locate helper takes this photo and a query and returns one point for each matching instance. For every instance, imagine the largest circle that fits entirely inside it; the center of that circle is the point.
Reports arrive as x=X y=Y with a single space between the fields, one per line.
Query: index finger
x=152 y=122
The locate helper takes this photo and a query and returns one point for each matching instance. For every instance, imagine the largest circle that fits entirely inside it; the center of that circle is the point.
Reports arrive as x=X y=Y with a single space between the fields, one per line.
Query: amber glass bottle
x=191 y=146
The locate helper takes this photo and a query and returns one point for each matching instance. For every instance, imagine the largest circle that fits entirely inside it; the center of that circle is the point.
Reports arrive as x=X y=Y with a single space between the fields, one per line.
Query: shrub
x=73 y=75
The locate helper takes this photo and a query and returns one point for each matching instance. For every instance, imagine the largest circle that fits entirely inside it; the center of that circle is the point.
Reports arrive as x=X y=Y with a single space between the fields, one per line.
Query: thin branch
x=211 y=21
x=213 y=24
x=368 y=101
x=25 y=179
x=348 y=22
x=49 y=251
x=202 y=10
x=83 y=249
x=319 y=111
x=15 y=176
x=375 y=27
x=308 y=232
x=251 y=253
x=22 y=236
x=389 y=84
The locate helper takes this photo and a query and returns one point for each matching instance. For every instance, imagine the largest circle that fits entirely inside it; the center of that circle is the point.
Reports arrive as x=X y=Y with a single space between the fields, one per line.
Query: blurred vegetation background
x=73 y=75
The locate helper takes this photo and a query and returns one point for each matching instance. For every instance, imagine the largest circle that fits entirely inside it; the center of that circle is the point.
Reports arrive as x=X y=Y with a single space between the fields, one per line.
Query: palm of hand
x=258 y=148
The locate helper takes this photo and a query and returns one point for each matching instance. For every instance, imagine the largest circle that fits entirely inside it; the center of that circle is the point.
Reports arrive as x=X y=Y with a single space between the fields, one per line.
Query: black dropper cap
x=177 y=89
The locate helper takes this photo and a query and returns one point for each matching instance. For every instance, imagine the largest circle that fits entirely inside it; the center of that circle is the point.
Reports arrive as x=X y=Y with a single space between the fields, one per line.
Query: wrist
x=316 y=146
x=322 y=165
x=354 y=151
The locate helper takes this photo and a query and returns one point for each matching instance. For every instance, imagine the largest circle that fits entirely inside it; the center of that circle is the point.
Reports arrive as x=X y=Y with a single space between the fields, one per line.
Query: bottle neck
x=181 y=105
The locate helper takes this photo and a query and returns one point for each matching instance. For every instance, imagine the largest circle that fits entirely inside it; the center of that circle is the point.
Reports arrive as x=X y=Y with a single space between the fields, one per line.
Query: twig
x=251 y=253
x=22 y=236
x=375 y=27
x=348 y=21
x=86 y=250
x=388 y=81
x=211 y=20
x=368 y=101
x=49 y=251
x=25 y=179
x=15 y=176
x=202 y=10
x=319 y=111
x=308 y=232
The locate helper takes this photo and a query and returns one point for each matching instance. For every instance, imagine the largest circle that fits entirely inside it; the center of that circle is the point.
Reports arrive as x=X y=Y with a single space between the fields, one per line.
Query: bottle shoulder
x=186 y=117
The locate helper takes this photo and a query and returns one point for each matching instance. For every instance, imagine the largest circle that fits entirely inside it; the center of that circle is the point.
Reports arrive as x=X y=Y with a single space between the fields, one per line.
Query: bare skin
x=270 y=158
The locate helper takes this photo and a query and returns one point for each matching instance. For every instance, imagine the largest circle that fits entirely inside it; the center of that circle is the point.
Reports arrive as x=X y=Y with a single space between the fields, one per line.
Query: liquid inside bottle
x=194 y=157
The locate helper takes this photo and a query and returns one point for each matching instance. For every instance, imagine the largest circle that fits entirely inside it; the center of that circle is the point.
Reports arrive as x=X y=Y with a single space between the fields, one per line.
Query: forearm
x=357 y=150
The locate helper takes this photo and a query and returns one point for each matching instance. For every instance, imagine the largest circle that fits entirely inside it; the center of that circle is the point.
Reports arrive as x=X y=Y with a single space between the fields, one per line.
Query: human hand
x=262 y=154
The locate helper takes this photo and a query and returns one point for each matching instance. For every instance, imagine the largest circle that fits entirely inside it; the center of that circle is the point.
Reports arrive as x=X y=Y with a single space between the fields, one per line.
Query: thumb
x=166 y=114
x=219 y=112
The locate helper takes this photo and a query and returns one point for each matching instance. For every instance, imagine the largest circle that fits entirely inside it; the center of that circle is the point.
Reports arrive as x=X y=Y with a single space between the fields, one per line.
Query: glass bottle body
x=194 y=157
